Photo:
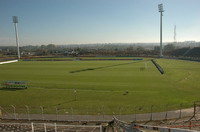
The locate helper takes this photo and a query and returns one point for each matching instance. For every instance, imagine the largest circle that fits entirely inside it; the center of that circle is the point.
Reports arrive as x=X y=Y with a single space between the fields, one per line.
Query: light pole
x=180 y=111
x=160 y=9
x=15 y=21
x=42 y=110
x=14 y=111
x=28 y=113
x=151 y=118
x=56 y=113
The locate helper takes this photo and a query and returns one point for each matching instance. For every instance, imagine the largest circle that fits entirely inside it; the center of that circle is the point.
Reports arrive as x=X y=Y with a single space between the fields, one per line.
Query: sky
x=98 y=21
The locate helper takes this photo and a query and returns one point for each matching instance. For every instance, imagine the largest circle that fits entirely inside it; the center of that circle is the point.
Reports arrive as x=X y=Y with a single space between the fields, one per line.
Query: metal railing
x=48 y=127
x=127 y=113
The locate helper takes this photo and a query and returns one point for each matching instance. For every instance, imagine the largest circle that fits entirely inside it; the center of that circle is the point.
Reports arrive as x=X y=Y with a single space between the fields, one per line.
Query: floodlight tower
x=174 y=34
x=160 y=9
x=15 y=21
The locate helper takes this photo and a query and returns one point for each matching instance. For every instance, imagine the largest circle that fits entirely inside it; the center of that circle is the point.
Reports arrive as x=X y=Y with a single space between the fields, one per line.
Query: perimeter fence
x=126 y=113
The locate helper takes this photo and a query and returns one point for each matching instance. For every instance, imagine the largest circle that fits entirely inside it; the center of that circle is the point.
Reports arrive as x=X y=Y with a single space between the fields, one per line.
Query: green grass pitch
x=102 y=84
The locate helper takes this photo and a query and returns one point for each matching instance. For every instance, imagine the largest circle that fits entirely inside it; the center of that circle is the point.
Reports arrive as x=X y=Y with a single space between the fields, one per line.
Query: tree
x=156 y=48
x=169 y=47
x=140 y=49
x=51 y=46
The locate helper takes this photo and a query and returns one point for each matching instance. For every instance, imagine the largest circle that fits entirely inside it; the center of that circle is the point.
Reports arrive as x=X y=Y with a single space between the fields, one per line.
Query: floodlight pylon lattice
x=15 y=21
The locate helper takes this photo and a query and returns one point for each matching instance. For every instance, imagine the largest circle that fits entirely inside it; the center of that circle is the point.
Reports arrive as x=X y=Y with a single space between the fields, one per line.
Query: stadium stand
x=179 y=52
x=122 y=126
x=47 y=127
x=186 y=52
x=194 y=52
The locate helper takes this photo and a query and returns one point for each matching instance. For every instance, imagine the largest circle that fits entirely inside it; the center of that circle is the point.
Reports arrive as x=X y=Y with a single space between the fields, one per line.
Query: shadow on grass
x=102 y=67
x=10 y=89
x=59 y=104
x=66 y=102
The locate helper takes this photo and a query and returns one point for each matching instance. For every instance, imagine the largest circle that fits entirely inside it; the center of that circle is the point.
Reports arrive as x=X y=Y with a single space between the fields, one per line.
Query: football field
x=102 y=84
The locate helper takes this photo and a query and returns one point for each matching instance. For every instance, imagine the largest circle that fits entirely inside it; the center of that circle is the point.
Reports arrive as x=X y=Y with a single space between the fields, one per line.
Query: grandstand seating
x=179 y=52
x=195 y=52
x=186 y=52
x=49 y=127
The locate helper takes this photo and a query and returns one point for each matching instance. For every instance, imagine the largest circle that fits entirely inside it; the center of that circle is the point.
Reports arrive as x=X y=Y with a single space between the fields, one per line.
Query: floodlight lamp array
x=15 y=19
x=160 y=8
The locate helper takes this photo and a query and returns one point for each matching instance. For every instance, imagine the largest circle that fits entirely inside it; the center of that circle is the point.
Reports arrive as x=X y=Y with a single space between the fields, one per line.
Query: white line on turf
x=6 y=62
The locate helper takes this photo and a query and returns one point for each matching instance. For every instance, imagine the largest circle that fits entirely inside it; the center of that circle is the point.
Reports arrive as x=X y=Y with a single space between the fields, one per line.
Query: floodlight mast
x=15 y=21
x=160 y=9
x=174 y=34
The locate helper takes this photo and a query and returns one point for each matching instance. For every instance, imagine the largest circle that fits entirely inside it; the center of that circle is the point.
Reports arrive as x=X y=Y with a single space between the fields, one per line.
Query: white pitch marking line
x=6 y=62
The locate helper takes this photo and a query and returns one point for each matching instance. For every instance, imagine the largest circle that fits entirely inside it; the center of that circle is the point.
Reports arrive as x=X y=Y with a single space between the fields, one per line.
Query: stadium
x=87 y=66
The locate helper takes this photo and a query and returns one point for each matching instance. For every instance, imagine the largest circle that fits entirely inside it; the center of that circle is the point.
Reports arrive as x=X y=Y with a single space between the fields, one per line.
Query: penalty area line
x=6 y=62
